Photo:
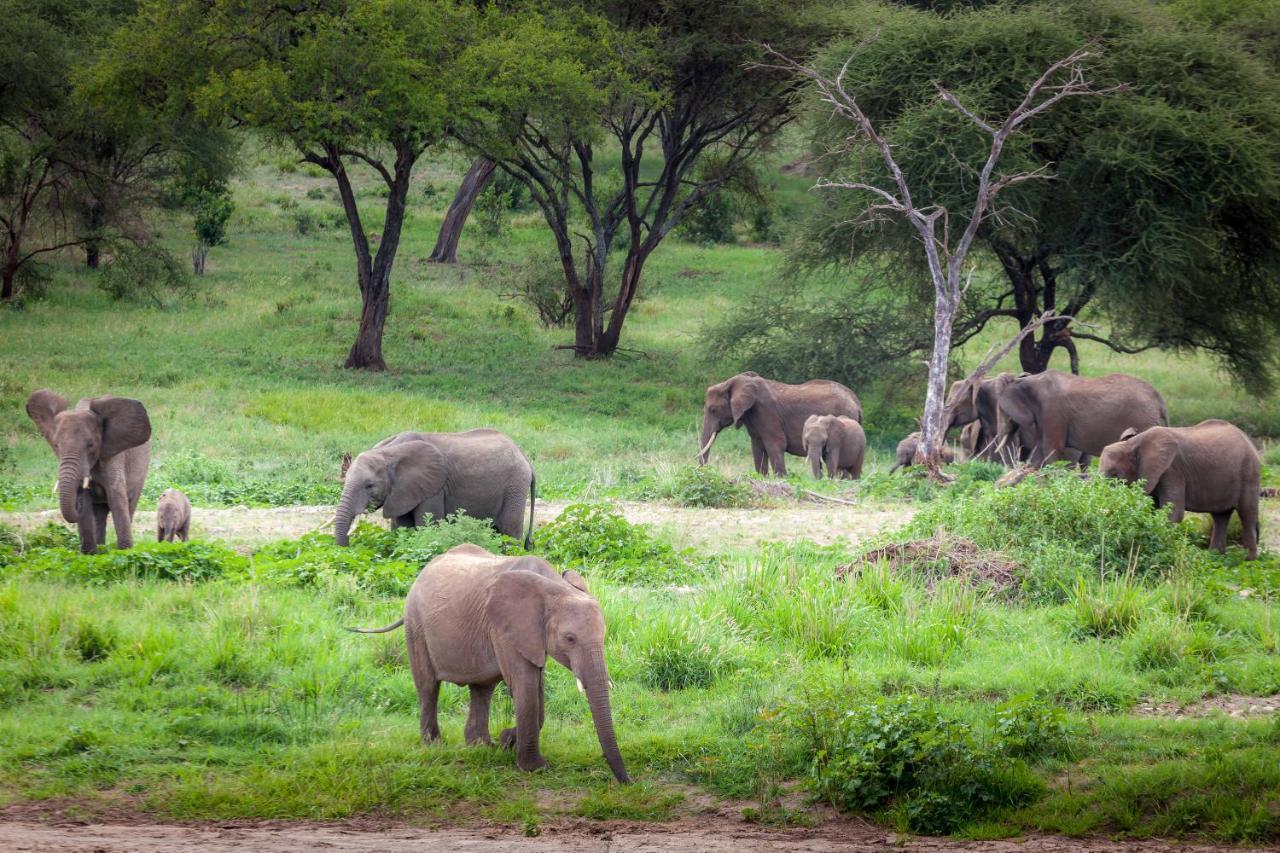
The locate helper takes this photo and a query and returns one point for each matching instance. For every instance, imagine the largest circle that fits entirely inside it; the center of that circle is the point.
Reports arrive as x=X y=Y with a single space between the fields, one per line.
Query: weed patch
x=596 y=540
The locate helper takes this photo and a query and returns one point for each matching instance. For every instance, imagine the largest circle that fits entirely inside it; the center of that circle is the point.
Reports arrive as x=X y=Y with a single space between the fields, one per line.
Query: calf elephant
x=774 y=414
x=840 y=442
x=1210 y=467
x=905 y=455
x=475 y=619
x=414 y=476
x=1059 y=416
x=103 y=448
x=173 y=516
x=977 y=403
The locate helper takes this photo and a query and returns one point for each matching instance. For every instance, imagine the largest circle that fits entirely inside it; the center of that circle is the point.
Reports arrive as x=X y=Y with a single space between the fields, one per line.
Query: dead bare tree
x=932 y=222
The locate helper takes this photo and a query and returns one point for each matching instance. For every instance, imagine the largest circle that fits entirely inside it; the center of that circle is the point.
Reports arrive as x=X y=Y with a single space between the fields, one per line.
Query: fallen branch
x=828 y=498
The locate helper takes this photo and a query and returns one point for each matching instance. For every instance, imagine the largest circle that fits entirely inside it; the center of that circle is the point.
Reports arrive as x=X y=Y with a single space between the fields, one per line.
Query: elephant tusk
x=85 y=485
x=1004 y=439
x=581 y=689
x=707 y=446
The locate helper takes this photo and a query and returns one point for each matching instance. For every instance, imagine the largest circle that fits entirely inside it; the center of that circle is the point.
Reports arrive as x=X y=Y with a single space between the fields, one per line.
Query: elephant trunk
x=342 y=518
x=710 y=429
x=595 y=681
x=69 y=476
x=815 y=459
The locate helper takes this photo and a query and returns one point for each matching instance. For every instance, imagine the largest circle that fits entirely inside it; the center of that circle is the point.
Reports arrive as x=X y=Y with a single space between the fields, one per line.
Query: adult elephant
x=1059 y=416
x=774 y=414
x=418 y=476
x=475 y=619
x=103 y=448
x=978 y=403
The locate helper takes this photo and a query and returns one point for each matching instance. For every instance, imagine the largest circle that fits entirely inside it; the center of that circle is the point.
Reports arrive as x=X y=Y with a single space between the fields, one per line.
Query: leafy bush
x=539 y=283
x=186 y=561
x=711 y=221
x=597 y=540
x=145 y=272
x=1027 y=727
x=705 y=486
x=679 y=652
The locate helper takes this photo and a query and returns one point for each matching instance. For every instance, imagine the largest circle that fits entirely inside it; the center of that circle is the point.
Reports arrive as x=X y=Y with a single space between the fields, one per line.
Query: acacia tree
x=1163 y=217
x=945 y=249
x=670 y=87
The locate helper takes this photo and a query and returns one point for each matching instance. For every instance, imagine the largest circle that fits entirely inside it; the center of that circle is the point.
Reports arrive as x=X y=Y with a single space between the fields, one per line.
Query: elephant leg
x=1218 y=540
x=118 y=505
x=184 y=531
x=1249 y=527
x=477 y=729
x=100 y=523
x=510 y=518
x=759 y=456
x=778 y=459
x=833 y=463
x=526 y=694
x=428 y=685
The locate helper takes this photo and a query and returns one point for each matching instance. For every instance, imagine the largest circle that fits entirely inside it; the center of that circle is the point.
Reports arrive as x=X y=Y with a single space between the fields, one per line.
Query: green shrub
x=704 y=486
x=597 y=540
x=186 y=561
x=147 y=273
x=678 y=652
x=1029 y=728
x=1107 y=608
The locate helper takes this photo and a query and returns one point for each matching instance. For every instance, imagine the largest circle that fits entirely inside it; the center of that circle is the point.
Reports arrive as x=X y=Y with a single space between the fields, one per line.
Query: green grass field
x=197 y=682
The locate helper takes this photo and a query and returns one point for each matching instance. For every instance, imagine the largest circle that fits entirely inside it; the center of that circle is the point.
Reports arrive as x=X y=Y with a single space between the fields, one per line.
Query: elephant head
x=962 y=402
x=817 y=431
x=1139 y=456
x=94 y=430
x=533 y=616
x=1017 y=412
x=395 y=478
x=728 y=403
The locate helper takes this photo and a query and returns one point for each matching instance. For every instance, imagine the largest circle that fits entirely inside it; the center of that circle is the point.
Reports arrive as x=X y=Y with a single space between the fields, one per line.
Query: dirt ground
x=693 y=835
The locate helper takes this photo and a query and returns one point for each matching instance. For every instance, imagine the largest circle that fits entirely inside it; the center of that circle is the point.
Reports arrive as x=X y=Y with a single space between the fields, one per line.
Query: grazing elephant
x=476 y=619
x=103 y=448
x=977 y=403
x=173 y=516
x=839 y=441
x=419 y=475
x=1059 y=416
x=905 y=455
x=774 y=414
x=1210 y=467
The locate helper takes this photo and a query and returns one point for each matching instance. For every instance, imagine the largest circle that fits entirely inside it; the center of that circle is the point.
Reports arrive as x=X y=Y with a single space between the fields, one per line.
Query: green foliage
x=1107 y=607
x=185 y=561
x=1029 y=728
x=678 y=652
x=211 y=207
x=598 y=541
x=704 y=486
x=146 y=273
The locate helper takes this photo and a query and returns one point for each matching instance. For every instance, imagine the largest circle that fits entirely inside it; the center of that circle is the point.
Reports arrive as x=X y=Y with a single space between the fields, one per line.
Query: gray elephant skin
x=173 y=516
x=905 y=455
x=774 y=414
x=1210 y=467
x=970 y=403
x=1059 y=416
x=103 y=448
x=475 y=619
x=837 y=441
x=417 y=476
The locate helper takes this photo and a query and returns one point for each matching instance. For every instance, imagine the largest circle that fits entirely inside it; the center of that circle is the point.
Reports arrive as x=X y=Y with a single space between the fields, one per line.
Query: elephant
x=475 y=619
x=173 y=516
x=415 y=475
x=837 y=440
x=905 y=455
x=774 y=414
x=104 y=448
x=1210 y=467
x=971 y=402
x=1061 y=416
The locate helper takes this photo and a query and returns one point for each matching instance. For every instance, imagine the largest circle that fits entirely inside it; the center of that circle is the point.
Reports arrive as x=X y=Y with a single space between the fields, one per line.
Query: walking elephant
x=416 y=476
x=774 y=414
x=1059 y=416
x=838 y=441
x=173 y=516
x=977 y=403
x=476 y=619
x=905 y=455
x=103 y=448
x=1210 y=467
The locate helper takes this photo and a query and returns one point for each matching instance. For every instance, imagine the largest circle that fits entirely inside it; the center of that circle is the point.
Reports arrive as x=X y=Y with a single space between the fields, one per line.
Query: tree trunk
x=933 y=426
x=6 y=283
x=473 y=183
x=92 y=254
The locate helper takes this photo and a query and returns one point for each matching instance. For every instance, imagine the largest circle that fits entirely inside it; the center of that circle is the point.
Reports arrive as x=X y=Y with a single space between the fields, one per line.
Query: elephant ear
x=417 y=470
x=1128 y=434
x=742 y=399
x=1154 y=458
x=124 y=424
x=42 y=406
x=516 y=608
x=346 y=465
x=1015 y=403
x=575 y=580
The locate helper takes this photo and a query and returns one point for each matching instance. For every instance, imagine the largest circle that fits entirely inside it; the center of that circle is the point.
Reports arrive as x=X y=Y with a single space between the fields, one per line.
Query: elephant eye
x=570 y=638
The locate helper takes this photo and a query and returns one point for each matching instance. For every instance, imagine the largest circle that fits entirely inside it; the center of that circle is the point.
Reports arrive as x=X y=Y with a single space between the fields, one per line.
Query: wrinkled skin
x=977 y=403
x=905 y=455
x=773 y=413
x=1210 y=467
x=1059 y=416
x=476 y=619
x=173 y=516
x=839 y=442
x=417 y=476
x=103 y=448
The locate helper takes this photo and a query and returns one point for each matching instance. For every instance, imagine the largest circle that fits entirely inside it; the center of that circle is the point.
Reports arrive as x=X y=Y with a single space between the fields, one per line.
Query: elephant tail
x=394 y=625
x=533 y=496
x=895 y=467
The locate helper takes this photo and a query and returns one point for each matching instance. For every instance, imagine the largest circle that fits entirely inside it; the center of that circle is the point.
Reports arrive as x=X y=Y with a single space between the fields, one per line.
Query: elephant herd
x=1121 y=420
x=476 y=619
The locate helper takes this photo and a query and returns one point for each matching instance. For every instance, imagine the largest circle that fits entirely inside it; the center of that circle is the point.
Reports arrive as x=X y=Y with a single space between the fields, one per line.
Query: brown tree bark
x=473 y=183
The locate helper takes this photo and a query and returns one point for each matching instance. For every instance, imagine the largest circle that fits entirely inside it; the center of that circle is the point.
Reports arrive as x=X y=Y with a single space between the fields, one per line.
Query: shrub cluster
x=212 y=482
x=596 y=540
x=704 y=486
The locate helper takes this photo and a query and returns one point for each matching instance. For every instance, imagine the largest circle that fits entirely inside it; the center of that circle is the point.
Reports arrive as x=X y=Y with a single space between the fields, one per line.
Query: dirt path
x=689 y=836
x=820 y=522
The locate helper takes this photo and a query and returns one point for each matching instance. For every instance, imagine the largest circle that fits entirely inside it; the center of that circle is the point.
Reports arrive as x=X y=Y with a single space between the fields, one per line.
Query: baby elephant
x=906 y=453
x=1210 y=467
x=173 y=516
x=839 y=441
x=476 y=619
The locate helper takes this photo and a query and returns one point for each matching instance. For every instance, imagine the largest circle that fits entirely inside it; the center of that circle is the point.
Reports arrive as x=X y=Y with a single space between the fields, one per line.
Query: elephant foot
x=479 y=740
x=507 y=740
x=431 y=736
x=536 y=762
